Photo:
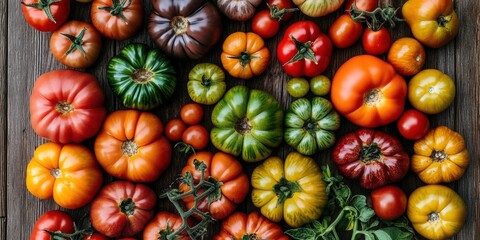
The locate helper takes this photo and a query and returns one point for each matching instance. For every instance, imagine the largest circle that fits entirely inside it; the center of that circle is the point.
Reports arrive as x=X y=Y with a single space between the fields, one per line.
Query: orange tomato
x=368 y=91
x=68 y=173
x=407 y=56
x=131 y=146
x=245 y=55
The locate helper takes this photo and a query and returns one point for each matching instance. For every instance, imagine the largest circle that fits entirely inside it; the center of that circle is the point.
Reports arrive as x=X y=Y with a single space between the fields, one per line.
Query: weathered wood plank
x=3 y=227
x=3 y=108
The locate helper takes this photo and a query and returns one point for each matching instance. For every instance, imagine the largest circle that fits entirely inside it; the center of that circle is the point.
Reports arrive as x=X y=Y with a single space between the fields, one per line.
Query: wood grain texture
x=29 y=56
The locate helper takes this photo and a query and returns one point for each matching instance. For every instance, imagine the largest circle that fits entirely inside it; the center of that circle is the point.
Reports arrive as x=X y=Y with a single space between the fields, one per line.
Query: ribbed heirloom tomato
x=117 y=19
x=162 y=225
x=54 y=221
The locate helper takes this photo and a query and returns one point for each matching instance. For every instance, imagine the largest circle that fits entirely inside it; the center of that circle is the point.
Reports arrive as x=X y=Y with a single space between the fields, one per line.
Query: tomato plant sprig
x=376 y=19
x=350 y=213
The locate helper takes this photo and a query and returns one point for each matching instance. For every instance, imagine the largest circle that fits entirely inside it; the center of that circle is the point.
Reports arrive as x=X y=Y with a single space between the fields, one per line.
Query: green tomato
x=247 y=123
x=141 y=77
x=309 y=125
x=297 y=87
x=320 y=85
x=206 y=83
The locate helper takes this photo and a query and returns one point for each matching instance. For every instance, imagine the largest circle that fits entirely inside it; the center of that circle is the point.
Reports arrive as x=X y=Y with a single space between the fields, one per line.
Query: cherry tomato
x=365 y=5
x=376 y=42
x=407 y=56
x=196 y=136
x=413 y=124
x=174 y=129
x=96 y=236
x=320 y=85
x=344 y=32
x=266 y=23
x=191 y=113
x=389 y=202
x=298 y=87
x=53 y=221
x=282 y=4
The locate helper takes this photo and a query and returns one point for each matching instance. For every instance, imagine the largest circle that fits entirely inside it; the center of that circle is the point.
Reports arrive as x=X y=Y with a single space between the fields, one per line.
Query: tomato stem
x=250 y=236
x=372 y=97
x=117 y=8
x=303 y=52
x=64 y=107
x=165 y=232
x=56 y=172
x=179 y=24
x=129 y=148
x=438 y=156
x=277 y=13
x=127 y=206
x=442 y=21
x=44 y=5
x=370 y=153
x=376 y=19
x=244 y=58
x=285 y=189
x=77 y=43
x=142 y=76
x=433 y=217
x=243 y=126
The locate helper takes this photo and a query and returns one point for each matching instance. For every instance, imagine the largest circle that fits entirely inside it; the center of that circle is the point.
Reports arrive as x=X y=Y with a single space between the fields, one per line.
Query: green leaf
x=382 y=235
x=342 y=194
x=396 y=233
x=359 y=202
x=301 y=233
x=318 y=226
x=372 y=225
x=370 y=236
x=366 y=214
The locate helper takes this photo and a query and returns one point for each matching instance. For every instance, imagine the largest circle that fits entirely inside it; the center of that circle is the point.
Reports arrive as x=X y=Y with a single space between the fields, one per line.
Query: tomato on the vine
x=389 y=202
x=196 y=136
x=174 y=129
x=266 y=23
x=191 y=113
x=364 y=5
x=345 y=31
x=53 y=221
x=46 y=15
x=413 y=124
x=376 y=42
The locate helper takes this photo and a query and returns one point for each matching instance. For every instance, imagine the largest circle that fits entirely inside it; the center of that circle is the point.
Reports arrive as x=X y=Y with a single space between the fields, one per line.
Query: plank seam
x=5 y=106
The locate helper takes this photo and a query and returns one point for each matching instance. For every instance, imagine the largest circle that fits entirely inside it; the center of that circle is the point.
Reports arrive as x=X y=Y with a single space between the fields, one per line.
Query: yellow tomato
x=431 y=91
x=440 y=156
x=293 y=191
x=436 y=211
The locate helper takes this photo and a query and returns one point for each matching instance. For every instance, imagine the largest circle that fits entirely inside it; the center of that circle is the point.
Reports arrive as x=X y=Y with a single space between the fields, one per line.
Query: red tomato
x=96 y=236
x=164 y=224
x=53 y=221
x=191 y=113
x=174 y=129
x=413 y=124
x=365 y=5
x=376 y=42
x=37 y=17
x=117 y=19
x=344 y=32
x=283 y=4
x=196 y=136
x=266 y=23
x=389 y=202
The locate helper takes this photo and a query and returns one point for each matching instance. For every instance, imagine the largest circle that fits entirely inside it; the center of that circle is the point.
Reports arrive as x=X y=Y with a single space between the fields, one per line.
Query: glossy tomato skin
x=316 y=8
x=365 y=5
x=174 y=129
x=298 y=87
x=373 y=157
x=114 y=26
x=164 y=222
x=53 y=220
x=191 y=113
x=368 y=91
x=389 y=202
x=40 y=21
x=90 y=43
x=376 y=42
x=196 y=136
x=264 y=25
x=407 y=56
x=413 y=124
x=206 y=83
x=96 y=236
x=282 y=4
x=122 y=208
x=67 y=106
x=345 y=31
x=314 y=41
x=240 y=226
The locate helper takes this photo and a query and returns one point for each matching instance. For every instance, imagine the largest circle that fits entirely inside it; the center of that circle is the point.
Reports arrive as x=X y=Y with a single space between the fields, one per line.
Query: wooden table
x=25 y=55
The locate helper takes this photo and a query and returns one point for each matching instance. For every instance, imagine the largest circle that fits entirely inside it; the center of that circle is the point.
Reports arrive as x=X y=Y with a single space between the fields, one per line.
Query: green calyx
x=77 y=43
x=127 y=207
x=164 y=233
x=303 y=51
x=244 y=58
x=285 y=189
x=370 y=153
x=310 y=126
x=117 y=8
x=44 y=5
x=376 y=19
x=249 y=236
x=277 y=13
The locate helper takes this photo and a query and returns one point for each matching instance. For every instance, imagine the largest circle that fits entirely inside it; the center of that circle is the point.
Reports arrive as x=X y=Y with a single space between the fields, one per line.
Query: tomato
x=67 y=106
x=368 y=91
x=244 y=55
x=266 y=23
x=162 y=225
x=76 y=44
x=304 y=50
x=365 y=5
x=433 y=22
x=46 y=15
x=191 y=113
x=117 y=19
x=320 y=85
x=407 y=56
x=373 y=157
x=83 y=1
x=53 y=220
x=315 y=8
x=96 y=236
x=131 y=146
x=413 y=124
x=293 y=191
x=238 y=10
x=251 y=226
x=224 y=171
x=440 y=156
x=185 y=28
x=436 y=211
x=206 y=83
x=68 y=173
x=122 y=208
x=247 y=123
x=196 y=136
x=431 y=91
x=310 y=125
x=345 y=31
x=283 y=4
x=389 y=202
x=376 y=42
x=298 y=87
x=174 y=129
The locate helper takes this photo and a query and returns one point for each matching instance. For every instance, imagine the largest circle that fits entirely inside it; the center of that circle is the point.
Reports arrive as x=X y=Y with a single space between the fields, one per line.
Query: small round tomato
x=191 y=113
x=96 y=236
x=389 y=202
x=196 y=136
x=46 y=15
x=407 y=56
x=345 y=31
x=376 y=42
x=298 y=87
x=320 y=85
x=365 y=5
x=53 y=221
x=264 y=25
x=76 y=44
x=174 y=129
x=413 y=124
x=117 y=19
